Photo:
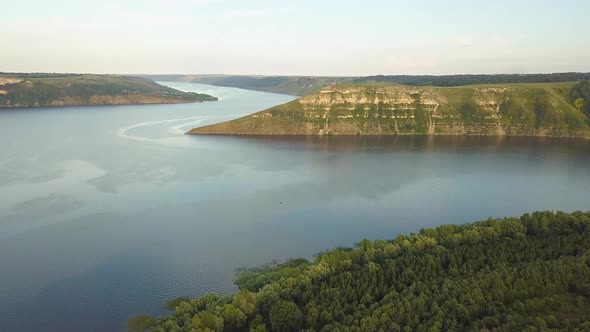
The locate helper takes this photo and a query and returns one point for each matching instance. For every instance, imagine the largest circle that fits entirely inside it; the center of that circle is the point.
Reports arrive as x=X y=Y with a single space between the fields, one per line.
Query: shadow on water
x=388 y=143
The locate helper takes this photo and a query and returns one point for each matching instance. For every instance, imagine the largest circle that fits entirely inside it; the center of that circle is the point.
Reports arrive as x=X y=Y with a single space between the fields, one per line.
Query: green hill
x=517 y=274
x=26 y=90
x=378 y=108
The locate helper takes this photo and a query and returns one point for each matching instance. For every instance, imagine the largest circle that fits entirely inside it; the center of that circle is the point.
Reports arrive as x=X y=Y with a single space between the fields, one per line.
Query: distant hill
x=289 y=85
x=532 y=109
x=460 y=80
x=303 y=85
x=27 y=90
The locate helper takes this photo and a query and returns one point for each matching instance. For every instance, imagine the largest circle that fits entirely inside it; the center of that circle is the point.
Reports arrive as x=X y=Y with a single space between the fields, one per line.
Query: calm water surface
x=107 y=212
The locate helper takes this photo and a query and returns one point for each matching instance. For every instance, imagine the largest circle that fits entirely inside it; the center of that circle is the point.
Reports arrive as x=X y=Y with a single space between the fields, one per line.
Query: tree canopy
x=515 y=274
x=580 y=96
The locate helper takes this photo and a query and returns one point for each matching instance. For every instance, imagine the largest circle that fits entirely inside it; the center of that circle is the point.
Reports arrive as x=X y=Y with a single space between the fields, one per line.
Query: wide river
x=107 y=212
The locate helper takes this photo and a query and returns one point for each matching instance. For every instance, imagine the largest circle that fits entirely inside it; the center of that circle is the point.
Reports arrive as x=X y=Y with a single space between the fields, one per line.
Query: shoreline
x=381 y=135
x=12 y=107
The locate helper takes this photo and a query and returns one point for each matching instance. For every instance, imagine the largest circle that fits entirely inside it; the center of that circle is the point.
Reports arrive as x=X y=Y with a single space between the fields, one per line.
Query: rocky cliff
x=378 y=109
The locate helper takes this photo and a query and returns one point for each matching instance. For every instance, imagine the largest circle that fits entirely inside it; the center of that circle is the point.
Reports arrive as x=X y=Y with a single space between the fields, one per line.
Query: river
x=109 y=211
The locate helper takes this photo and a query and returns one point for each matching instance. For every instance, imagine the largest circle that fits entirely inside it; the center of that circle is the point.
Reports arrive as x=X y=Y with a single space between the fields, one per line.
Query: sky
x=298 y=37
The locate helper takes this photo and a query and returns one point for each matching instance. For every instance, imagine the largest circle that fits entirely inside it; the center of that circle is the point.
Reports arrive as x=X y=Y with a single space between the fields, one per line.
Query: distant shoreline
x=58 y=90
x=12 y=107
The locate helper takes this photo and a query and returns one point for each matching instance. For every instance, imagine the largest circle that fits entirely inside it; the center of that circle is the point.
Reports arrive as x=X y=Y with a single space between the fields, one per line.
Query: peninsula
x=29 y=90
x=384 y=108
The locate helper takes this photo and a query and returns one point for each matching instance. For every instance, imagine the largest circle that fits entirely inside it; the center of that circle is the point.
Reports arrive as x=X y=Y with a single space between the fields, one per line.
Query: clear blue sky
x=295 y=37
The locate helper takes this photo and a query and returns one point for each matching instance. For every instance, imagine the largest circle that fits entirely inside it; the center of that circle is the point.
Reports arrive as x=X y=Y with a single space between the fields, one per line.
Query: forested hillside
x=529 y=273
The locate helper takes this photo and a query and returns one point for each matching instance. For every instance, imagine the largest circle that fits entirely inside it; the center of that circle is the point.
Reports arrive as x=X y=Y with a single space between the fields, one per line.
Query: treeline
x=458 y=80
x=515 y=274
x=303 y=85
x=580 y=97
x=40 y=75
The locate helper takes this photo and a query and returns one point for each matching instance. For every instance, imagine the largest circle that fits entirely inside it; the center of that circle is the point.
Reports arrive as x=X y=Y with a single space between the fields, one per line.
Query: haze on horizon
x=305 y=37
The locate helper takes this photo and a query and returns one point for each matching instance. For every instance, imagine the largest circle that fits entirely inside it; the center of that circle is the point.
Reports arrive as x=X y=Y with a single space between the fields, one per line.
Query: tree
x=233 y=318
x=206 y=320
x=286 y=316
x=258 y=328
x=579 y=103
x=245 y=301
x=140 y=323
x=172 y=304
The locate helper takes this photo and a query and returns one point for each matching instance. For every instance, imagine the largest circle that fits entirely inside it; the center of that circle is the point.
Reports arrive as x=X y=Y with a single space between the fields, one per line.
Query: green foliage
x=515 y=274
x=468 y=111
x=579 y=103
x=259 y=328
x=172 y=304
x=207 y=321
x=233 y=318
x=580 y=96
x=245 y=301
x=255 y=278
x=513 y=110
x=140 y=323
x=544 y=113
x=286 y=316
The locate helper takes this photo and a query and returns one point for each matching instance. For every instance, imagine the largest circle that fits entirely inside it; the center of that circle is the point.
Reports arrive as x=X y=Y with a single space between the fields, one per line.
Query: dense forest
x=515 y=274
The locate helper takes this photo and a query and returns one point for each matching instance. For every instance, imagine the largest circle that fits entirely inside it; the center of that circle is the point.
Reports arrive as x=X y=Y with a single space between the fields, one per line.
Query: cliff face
x=519 y=109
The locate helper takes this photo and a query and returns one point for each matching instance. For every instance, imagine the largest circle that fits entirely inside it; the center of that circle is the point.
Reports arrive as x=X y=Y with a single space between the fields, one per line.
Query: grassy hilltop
x=382 y=108
x=517 y=274
x=26 y=90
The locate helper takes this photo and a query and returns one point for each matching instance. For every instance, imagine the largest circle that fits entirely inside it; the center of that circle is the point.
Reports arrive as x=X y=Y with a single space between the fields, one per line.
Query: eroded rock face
x=400 y=110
